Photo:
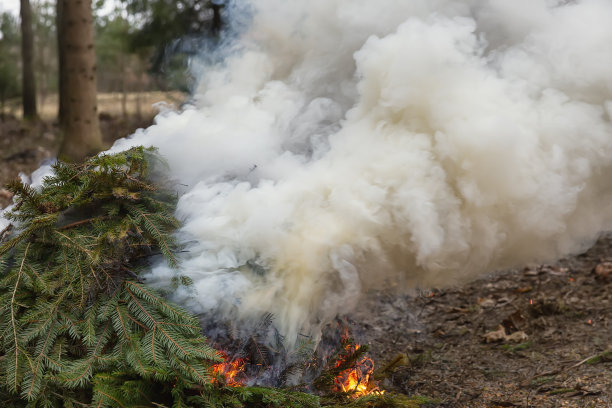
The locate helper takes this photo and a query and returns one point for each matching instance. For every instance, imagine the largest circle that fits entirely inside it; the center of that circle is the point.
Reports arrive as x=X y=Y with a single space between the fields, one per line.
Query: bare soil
x=433 y=342
x=437 y=337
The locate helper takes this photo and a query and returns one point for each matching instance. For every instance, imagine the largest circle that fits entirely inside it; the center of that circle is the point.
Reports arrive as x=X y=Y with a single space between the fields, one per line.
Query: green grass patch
x=604 y=357
x=562 y=391
x=421 y=360
x=515 y=348
x=536 y=382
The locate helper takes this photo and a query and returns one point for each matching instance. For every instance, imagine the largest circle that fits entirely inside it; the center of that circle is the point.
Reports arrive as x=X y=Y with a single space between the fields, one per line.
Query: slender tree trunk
x=61 y=70
x=42 y=75
x=139 y=96
x=27 y=58
x=79 y=111
x=217 y=22
x=124 y=112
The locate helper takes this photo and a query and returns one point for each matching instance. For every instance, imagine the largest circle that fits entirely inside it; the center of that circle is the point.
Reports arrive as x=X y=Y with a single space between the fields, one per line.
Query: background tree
x=120 y=68
x=45 y=57
x=27 y=58
x=112 y=51
x=9 y=57
x=173 y=31
x=78 y=112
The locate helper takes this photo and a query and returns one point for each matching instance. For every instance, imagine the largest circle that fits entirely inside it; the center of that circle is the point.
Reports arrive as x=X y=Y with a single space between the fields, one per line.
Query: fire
x=358 y=380
x=228 y=371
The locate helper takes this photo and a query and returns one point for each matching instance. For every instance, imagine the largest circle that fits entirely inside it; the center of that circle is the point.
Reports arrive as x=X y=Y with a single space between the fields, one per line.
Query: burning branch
x=350 y=373
x=228 y=372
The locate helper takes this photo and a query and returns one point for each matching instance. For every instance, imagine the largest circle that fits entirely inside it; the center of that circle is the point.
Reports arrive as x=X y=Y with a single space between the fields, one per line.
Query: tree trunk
x=217 y=22
x=139 y=92
x=79 y=111
x=42 y=72
x=59 y=11
x=27 y=58
x=124 y=112
x=2 y=101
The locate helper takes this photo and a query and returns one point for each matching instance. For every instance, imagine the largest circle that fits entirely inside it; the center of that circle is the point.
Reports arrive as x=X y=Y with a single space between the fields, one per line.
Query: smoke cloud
x=342 y=145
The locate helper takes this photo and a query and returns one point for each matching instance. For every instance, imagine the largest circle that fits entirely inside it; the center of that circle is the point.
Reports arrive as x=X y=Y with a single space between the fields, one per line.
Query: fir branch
x=80 y=222
x=71 y=306
x=157 y=234
x=15 y=380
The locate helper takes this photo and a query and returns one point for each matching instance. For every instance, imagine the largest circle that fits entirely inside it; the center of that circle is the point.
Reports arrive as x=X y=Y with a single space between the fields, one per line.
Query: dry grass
x=108 y=103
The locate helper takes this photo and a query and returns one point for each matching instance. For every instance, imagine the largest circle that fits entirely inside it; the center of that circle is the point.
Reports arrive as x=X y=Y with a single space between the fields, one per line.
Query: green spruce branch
x=75 y=319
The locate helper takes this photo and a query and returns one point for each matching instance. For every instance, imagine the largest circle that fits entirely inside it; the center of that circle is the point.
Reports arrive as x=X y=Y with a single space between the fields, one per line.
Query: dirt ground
x=561 y=315
x=433 y=343
x=24 y=146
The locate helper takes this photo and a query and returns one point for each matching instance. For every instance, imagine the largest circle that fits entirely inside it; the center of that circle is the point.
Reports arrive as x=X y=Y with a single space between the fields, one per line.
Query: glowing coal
x=342 y=145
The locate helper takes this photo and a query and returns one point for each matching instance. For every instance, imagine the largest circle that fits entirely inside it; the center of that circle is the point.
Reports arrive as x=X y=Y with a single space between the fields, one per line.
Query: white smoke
x=345 y=144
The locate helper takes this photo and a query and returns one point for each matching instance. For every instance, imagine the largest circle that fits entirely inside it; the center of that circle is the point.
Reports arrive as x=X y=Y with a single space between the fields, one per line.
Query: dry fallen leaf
x=500 y=335
x=486 y=303
x=497 y=335
x=517 y=337
x=5 y=194
x=603 y=271
x=5 y=197
x=523 y=289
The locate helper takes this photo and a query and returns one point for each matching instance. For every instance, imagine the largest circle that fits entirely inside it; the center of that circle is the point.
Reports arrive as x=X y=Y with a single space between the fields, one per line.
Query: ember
x=228 y=371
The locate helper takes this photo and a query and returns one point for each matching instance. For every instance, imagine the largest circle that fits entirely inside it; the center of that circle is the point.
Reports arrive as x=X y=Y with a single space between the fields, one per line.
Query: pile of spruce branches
x=78 y=327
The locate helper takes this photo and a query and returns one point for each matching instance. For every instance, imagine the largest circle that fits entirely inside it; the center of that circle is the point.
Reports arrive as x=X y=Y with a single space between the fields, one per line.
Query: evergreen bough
x=77 y=325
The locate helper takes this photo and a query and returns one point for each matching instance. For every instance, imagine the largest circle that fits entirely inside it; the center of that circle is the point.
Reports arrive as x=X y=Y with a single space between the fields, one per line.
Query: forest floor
x=562 y=313
x=24 y=146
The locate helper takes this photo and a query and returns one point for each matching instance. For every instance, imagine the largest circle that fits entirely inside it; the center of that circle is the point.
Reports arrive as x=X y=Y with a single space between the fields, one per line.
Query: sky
x=10 y=5
x=13 y=6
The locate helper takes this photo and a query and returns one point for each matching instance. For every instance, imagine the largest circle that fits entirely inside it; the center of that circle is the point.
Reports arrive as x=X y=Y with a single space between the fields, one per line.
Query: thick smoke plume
x=343 y=145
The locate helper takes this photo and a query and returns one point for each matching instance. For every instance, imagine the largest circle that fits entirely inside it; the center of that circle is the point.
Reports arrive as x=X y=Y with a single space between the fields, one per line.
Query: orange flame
x=357 y=381
x=228 y=371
